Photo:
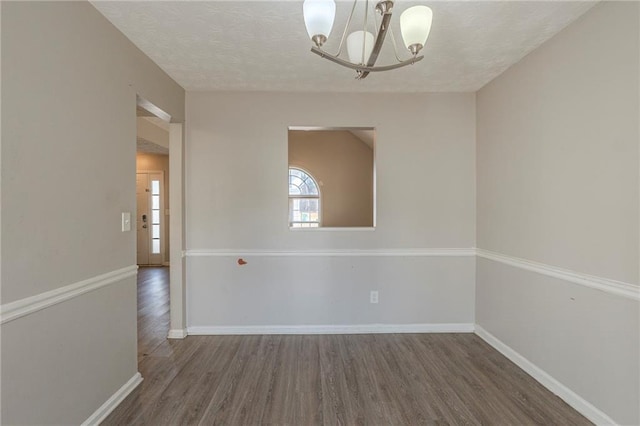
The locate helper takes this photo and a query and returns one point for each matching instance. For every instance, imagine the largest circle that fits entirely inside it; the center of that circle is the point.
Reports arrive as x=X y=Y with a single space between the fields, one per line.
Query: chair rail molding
x=19 y=308
x=411 y=252
x=619 y=288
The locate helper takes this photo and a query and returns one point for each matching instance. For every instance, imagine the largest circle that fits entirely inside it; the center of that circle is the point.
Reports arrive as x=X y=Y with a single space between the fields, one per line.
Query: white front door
x=148 y=218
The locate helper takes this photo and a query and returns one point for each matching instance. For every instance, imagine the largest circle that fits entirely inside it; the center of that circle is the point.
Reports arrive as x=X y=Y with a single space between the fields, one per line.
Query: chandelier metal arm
x=364 y=68
x=395 y=47
x=346 y=28
x=377 y=46
x=393 y=40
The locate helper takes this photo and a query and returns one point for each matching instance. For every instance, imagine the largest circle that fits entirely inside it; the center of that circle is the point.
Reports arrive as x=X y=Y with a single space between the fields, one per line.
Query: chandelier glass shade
x=415 y=24
x=363 y=46
x=318 y=18
x=359 y=46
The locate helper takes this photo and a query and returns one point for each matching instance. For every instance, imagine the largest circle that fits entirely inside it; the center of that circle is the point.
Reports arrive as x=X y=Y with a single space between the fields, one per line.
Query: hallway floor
x=153 y=308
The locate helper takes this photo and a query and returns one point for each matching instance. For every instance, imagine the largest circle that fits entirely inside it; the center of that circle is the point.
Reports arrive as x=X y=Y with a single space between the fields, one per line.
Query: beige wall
x=236 y=203
x=66 y=178
x=557 y=161
x=343 y=167
x=158 y=162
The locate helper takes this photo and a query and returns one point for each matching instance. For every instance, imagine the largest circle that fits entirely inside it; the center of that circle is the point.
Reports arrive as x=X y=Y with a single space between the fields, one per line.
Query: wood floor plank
x=339 y=406
x=417 y=384
x=371 y=390
x=194 y=383
x=158 y=372
x=308 y=382
x=153 y=309
x=233 y=392
x=393 y=379
x=433 y=369
x=467 y=384
x=296 y=396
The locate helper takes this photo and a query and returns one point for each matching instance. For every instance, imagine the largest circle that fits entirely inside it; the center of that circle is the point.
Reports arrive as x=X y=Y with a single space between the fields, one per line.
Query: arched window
x=304 y=200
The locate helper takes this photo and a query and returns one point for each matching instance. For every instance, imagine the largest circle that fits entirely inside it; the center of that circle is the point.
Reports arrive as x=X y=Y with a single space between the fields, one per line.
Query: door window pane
x=155 y=216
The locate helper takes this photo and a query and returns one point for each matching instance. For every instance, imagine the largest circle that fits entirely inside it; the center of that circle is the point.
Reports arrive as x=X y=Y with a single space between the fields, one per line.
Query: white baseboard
x=177 y=334
x=332 y=329
x=567 y=395
x=111 y=403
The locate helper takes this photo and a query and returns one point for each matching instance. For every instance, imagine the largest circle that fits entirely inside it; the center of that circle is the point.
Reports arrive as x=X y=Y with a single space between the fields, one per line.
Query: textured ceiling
x=263 y=45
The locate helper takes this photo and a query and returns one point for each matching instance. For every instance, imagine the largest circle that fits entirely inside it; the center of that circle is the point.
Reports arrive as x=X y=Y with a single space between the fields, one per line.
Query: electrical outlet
x=373 y=296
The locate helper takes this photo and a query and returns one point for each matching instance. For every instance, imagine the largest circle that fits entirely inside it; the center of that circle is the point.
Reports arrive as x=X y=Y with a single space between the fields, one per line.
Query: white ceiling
x=263 y=45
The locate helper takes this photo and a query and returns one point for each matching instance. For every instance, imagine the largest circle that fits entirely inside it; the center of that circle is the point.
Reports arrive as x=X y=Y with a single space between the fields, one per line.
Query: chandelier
x=363 y=47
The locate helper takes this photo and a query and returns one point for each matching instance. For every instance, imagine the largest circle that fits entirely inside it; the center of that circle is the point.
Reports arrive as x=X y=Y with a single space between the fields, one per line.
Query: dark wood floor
x=392 y=379
x=153 y=309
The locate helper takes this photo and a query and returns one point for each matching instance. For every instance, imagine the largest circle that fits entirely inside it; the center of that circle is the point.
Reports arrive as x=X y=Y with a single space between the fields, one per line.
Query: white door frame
x=177 y=278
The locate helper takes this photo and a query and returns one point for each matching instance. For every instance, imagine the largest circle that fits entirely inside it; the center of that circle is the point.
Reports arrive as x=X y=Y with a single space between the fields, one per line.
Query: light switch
x=126 y=221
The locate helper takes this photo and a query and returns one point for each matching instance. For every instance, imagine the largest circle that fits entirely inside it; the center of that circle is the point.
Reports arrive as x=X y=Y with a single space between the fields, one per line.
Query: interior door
x=142 y=217
x=150 y=206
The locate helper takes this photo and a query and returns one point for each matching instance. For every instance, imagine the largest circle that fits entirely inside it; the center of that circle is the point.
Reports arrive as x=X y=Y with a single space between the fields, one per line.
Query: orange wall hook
x=241 y=262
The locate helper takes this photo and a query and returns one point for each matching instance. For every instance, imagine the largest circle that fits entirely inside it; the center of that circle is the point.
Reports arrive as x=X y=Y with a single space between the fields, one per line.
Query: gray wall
x=557 y=181
x=69 y=85
x=236 y=190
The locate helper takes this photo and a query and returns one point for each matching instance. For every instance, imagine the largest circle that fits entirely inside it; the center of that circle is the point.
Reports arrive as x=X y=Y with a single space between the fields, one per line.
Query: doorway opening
x=160 y=156
x=152 y=184
x=152 y=226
